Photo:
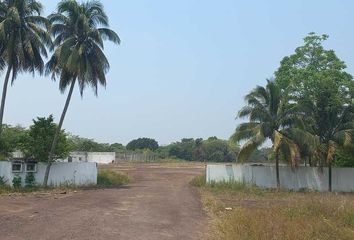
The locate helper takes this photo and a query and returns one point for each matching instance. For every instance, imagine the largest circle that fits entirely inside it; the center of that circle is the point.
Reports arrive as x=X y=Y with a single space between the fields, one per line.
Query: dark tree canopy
x=143 y=143
x=212 y=149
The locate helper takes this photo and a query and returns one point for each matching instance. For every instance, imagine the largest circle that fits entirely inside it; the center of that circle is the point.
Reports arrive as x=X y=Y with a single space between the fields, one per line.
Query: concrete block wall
x=293 y=179
x=78 y=174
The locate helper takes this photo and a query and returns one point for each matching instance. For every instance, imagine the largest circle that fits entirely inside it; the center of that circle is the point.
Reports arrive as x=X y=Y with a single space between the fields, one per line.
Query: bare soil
x=159 y=204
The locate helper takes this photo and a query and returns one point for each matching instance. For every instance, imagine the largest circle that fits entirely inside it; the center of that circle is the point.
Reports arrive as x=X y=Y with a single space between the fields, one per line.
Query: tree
x=344 y=157
x=316 y=79
x=272 y=117
x=334 y=126
x=184 y=149
x=78 y=56
x=23 y=41
x=117 y=147
x=11 y=140
x=37 y=142
x=143 y=143
x=216 y=150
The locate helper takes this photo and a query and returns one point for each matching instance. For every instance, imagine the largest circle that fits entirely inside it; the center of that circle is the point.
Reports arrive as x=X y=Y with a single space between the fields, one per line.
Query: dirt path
x=160 y=204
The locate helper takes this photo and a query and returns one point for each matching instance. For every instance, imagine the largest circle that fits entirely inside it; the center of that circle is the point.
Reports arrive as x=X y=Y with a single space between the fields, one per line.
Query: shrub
x=17 y=182
x=108 y=178
x=198 y=181
x=30 y=180
x=3 y=181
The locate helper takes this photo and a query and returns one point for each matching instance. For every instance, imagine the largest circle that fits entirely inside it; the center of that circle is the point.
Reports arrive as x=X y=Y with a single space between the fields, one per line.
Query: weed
x=30 y=180
x=109 y=178
x=258 y=213
x=17 y=182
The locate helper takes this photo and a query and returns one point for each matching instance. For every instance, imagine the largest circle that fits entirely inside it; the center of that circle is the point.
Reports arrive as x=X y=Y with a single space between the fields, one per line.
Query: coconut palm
x=270 y=117
x=334 y=127
x=23 y=41
x=79 y=30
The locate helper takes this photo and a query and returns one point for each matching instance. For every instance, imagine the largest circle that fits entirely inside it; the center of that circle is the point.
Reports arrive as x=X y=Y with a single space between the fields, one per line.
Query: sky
x=183 y=67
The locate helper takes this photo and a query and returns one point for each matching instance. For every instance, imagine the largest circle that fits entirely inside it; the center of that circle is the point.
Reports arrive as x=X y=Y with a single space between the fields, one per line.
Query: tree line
x=306 y=111
x=34 y=142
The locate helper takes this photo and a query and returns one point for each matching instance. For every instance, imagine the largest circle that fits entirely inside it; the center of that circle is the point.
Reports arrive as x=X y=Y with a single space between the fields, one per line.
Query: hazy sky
x=184 y=66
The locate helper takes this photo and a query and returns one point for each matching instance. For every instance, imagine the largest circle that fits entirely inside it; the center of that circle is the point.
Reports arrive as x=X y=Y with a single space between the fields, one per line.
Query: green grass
x=110 y=178
x=251 y=213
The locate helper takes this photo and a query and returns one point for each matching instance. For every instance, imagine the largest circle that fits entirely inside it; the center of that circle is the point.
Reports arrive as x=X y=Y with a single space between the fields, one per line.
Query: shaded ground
x=160 y=204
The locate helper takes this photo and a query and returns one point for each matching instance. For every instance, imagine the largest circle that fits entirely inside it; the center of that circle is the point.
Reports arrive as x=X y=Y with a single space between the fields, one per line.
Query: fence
x=293 y=179
x=78 y=174
x=135 y=157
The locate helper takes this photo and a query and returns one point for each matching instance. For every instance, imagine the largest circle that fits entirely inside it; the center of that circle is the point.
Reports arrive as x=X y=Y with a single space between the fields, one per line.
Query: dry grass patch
x=251 y=213
x=111 y=178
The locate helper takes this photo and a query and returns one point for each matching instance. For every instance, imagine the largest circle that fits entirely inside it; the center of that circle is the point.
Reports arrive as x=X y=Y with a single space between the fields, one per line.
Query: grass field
x=250 y=213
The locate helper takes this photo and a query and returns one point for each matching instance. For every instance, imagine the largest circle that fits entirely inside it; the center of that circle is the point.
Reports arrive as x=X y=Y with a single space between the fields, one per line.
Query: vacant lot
x=159 y=204
x=244 y=213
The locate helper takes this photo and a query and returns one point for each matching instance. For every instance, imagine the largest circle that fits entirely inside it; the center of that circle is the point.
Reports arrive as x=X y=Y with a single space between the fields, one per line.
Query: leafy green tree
x=143 y=143
x=11 y=140
x=212 y=149
x=78 y=57
x=23 y=41
x=312 y=67
x=117 y=147
x=184 y=149
x=216 y=150
x=316 y=79
x=261 y=155
x=80 y=144
x=37 y=142
x=270 y=117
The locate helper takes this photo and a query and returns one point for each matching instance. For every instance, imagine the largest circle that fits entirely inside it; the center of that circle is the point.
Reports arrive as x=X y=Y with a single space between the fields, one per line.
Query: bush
x=3 y=181
x=30 y=180
x=17 y=182
x=199 y=181
x=108 y=178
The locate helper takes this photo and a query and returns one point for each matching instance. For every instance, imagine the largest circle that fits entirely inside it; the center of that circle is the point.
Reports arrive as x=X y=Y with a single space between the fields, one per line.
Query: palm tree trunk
x=277 y=169
x=330 y=176
x=55 y=140
x=3 y=99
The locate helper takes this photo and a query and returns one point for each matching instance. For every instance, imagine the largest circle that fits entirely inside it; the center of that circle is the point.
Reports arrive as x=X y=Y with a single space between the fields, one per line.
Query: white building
x=61 y=174
x=96 y=157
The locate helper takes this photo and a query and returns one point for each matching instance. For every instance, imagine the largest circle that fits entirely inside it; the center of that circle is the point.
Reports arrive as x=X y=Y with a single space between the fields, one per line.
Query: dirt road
x=160 y=204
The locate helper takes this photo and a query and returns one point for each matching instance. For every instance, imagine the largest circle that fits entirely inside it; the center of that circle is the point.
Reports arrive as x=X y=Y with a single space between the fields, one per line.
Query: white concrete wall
x=95 y=157
x=101 y=157
x=294 y=179
x=79 y=174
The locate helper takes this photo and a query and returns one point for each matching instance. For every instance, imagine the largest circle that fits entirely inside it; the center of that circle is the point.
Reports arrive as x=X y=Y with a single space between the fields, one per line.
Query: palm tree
x=23 y=41
x=78 y=57
x=334 y=127
x=272 y=117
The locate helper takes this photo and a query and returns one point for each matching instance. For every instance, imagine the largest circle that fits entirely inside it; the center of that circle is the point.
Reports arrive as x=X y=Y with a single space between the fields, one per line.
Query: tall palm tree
x=23 y=41
x=79 y=30
x=272 y=117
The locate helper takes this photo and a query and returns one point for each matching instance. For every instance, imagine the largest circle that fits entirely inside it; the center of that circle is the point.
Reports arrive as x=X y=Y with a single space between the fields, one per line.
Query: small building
x=95 y=157
x=78 y=174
